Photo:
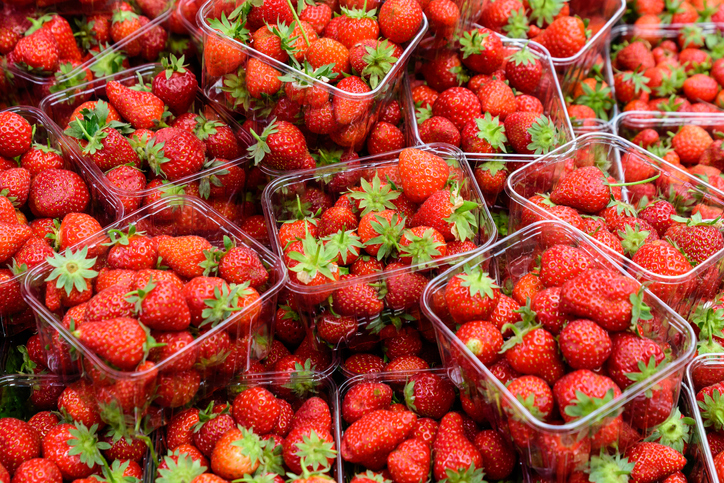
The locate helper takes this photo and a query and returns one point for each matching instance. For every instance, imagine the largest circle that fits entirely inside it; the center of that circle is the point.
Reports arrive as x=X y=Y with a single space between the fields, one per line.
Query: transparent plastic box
x=104 y=205
x=628 y=124
x=598 y=125
x=704 y=459
x=33 y=88
x=324 y=387
x=680 y=292
x=280 y=195
x=512 y=257
x=256 y=110
x=61 y=105
x=549 y=93
x=174 y=216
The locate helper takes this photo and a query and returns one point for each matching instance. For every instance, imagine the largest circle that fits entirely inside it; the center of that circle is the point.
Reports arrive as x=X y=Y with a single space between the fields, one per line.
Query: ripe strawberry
x=180 y=428
x=633 y=359
x=530 y=133
x=183 y=254
x=581 y=392
x=325 y=51
x=78 y=401
x=483 y=339
x=12 y=237
x=429 y=395
x=17 y=135
x=214 y=422
x=482 y=50
x=662 y=258
x=256 y=408
x=221 y=55
x=497 y=98
x=453 y=453
x=562 y=263
x=19 y=442
x=57 y=446
x=438 y=129
x=471 y=295
x=422 y=174
x=410 y=462
x=385 y=137
x=56 y=192
x=690 y=142
x=698 y=239
x=499 y=458
x=175 y=85
x=565 y=37
x=37 y=470
x=364 y=398
x=39 y=51
x=120 y=341
x=653 y=462
x=370 y=439
x=125 y=25
x=232 y=456
x=281 y=146
x=400 y=20
x=457 y=104
x=584 y=344
x=523 y=71
x=443 y=16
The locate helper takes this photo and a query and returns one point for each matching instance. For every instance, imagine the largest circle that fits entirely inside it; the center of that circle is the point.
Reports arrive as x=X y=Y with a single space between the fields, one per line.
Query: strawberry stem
x=634 y=183
x=299 y=22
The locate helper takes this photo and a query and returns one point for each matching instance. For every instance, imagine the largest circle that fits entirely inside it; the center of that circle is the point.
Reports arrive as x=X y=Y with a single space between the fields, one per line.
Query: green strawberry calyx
x=544 y=135
x=378 y=61
x=182 y=468
x=675 y=432
x=84 y=443
x=517 y=26
x=421 y=249
x=315 y=451
x=301 y=381
x=598 y=98
x=389 y=232
x=375 y=196
x=422 y=114
x=155 y=156
x=583 y=404
x=409 y=392
x=710 y=322
x=233 y=26
x=640 y=310
x=207 y=414
x=224 y=303
x=712 y=410
x=633 y=238
x=647 y=370
x=697 y=220
x=315 y=258
x=470 y=474
x=212 y=178
x=346 y=243
x=136 y=297
x=463 y=217
x=471 y=42
x=544 y=11
x=251 y=445
x=91 y=127
x=492 y=131
x=520 y=329
x=72 y=270
x=173 y=64
x=607 y=468
x=477 y=281
x=261 y=148
x=205 y=127
x=287 y=41
x=118 y=237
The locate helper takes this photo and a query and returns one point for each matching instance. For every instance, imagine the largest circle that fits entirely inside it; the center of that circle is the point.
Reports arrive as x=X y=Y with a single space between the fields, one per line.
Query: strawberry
x=125 y=25
x=222 y=56
x=443 y=16
x=308 y=449
x=584 y=344
x=471 y=295
x=662 y=258
x=482 y=50
x=77 y=400
x=422 y=173
x=484 y=135
x=177 y=389
x=347 y=111
x=40 y=157
x=444 y=71
x=235 y=454
x=385 y=137
x=584 y=189
x=690 y=142
x=160 y=306
x=457 y=104
x=438 y=129
x=261 y=79
x=358 y=300
x=700 y=87
x=370 y=439
x=359 y=25
x=698 y=239
x=12 y=238
x=38 y=51
x=19 y=442
x=179 y=429
x=183 y=254
x=37 y=470
x=325 y=51
x=120 y=341
x=214 y=422
x=633 y=359
x=483 y=339
x=400 y=20
x=218 y=137
x=523 y=71
x=565 y=37
x=530 y=133
x=16 y=137
x=65 y=444
x=256 y=408
x=175 y=153
x=364 y=398
x=454 y=454
x=497 y=98
x=653 y=462
x=175 y=86
x=372 y=60
x=429 y=395
x=410 y=462
x=281 y=146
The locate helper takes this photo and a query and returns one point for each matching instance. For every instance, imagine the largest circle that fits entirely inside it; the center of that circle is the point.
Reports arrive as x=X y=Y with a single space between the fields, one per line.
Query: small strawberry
x=454 y=454
x=175 y=85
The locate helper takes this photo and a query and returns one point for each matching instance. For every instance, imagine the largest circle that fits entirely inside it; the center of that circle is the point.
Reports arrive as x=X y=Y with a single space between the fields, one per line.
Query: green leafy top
x=378 y=61
x=478 y=282
x=261 y=148
x=315 y=258
x=609 y=469
x=468 y=475
x=421 y=249
x=463 y=217
x=675 y=432
x=72 y=270
x=492 y=131
x=182 y=469
x=712 y=410
x=544 y=136
x=224 y=303
x=584 y=405
x=517 y=26
x=233 y=27
x=345 y=243
x=375 y=196
x=544 y=11
x=315 y=450
x=389 y=233
x=471 y=43
x=91 y=127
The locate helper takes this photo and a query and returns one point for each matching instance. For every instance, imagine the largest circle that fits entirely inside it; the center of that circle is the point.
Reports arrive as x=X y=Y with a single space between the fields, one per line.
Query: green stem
x=633 y=183
x=299 y=22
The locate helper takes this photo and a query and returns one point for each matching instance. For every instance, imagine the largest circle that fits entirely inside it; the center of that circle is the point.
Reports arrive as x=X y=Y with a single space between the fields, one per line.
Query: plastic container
x=598 y=125
x=512 y=257
x=628 y=124
x=680 y=292
x=712 y=365
x=60 y=106
x=185 y=9
x=257 y=111
x=282 y=194
x=325 y=388
x=175 y=216
x=104 y=205
x=549 y=93
x=703 y=461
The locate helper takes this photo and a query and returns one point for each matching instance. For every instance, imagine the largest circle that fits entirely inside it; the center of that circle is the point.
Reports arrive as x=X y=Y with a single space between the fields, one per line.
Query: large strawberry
x=176 y=86
x=422 y=173
x=471 y=295
x=281 y=146
x=175 y=153
x=370 y=439
x=454 y=454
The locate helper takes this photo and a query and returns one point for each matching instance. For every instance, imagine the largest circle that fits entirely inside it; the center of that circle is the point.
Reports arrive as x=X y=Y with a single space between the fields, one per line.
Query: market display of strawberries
x=668 y=227
x=53 y=433
x=158 y=306
x=655 y=14
x=563 y=334
x=263 y=431
x=45 y=204
x=678 y=70
x=158 y=137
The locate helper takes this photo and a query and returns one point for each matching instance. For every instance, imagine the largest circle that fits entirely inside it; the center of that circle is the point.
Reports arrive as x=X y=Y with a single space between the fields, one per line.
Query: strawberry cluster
x=681 y=71
x=72 y=49
x=665 y=228
x=566 y=336
x=265 y=433
x=45 y=205
x=499 y=109
x=591 y=99
x=654 y=14
x=553 y=24
x=149 y=138
x=707 y=383
x=430 y=428
x=164 y=311
x=56 y=434
x=277 y=64
x=360 y=248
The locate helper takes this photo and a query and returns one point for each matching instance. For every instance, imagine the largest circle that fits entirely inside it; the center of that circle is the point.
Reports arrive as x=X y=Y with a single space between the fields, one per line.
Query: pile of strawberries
x=668 y=227
x=265 y=433
x=59 y=436
x=150 y=137
x=566 y=336
x=274 y=65
x=653 y=14
x=360 y=248
x=486 y=116
x=45 y=205
x=681 y=71
x=591 y=100
x=160 y=312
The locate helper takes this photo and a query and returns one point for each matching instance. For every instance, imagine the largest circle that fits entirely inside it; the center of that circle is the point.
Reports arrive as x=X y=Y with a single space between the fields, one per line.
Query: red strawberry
x=256 y=408
x=422 y=173
x=581 y=392
x=498 y=457
x=370 y=439
x=400 y=20
x=175 y=86
x=523 y=71
x=39 y=51
x=364 y=398
x=565 y=37
x=38 y=470
x=57 y=446
x=454 y=454
x=531 y=133
x=281 y=146
x=471 y=295
x=347 y=111
x=653 y=462
x=19 y=442
x=483 y=339
x=12 y=238
x=457 y=104
x=120 y=341
x=633 y=359
x=56 y=192
x=429 y=395
x=410 y=462
x=482 y=50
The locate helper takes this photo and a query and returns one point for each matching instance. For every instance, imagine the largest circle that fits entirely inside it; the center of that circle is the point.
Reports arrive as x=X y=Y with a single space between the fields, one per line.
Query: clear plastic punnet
x=104 y=206
x=681 y=292
x=506 y=262
x=249 y=328
x=281 y=198
x=61 y=105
